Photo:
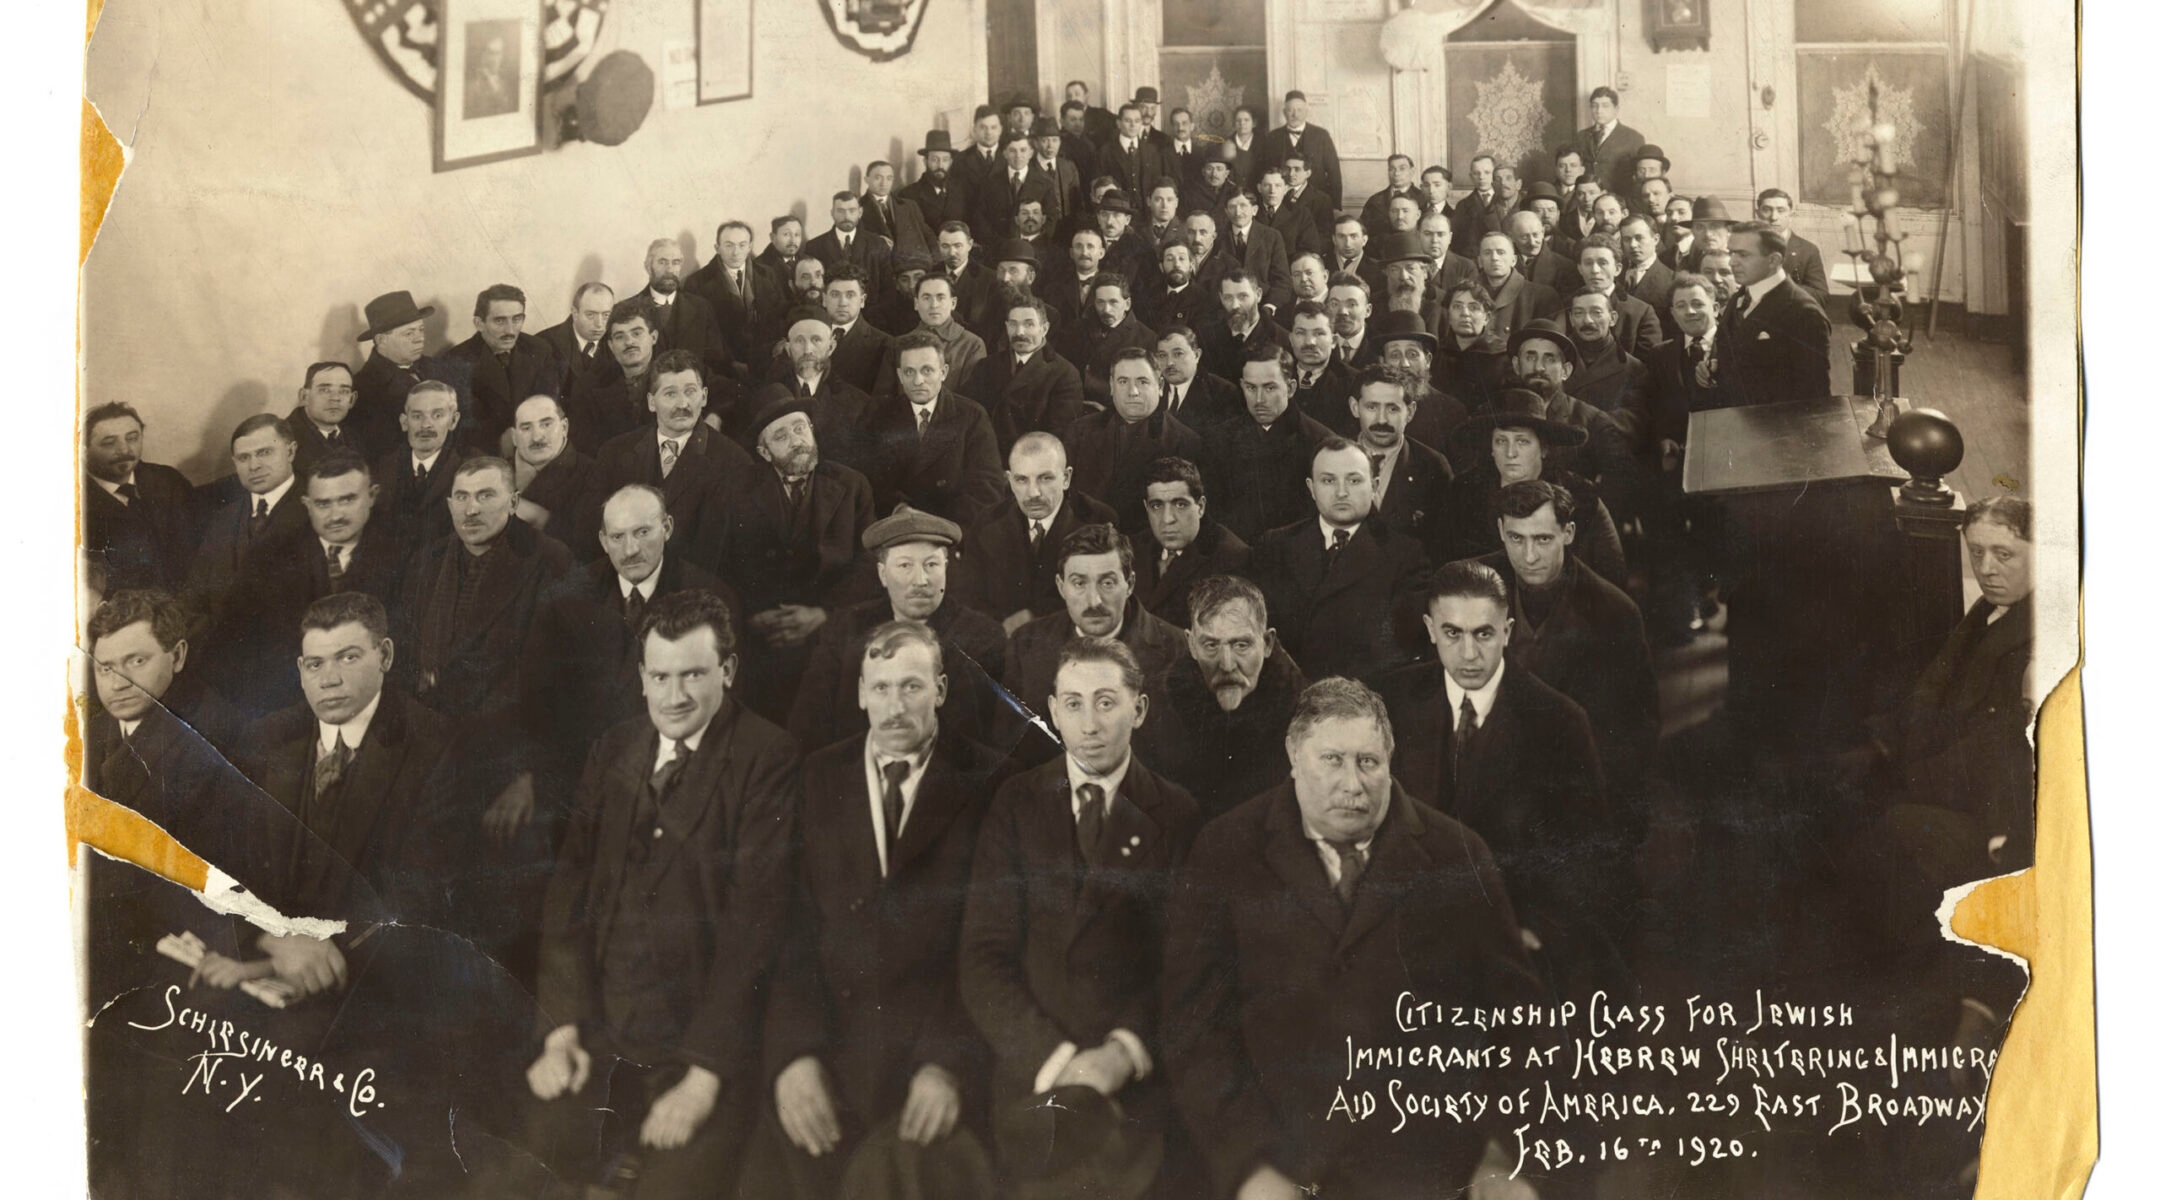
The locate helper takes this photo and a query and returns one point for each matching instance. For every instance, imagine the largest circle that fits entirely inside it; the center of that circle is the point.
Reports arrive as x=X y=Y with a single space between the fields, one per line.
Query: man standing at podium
x=1777 y=344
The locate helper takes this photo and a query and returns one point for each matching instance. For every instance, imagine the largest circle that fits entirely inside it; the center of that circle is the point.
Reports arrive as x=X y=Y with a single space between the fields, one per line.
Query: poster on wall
x=1911 y=90
x=723 y=45
x=488 y=98
x=1514 y=102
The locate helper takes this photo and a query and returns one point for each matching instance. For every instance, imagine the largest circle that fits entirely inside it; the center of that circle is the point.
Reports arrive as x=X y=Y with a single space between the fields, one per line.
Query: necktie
x=332 y=436
x=633 y=609
x=1237 y=246
x=1091 y=821
x=330 y=765
x=1695 y=350
x=1177 y=397
x=1017 y=178
x=1335 y=545
x=896 y=773
x=1352 y=861
x=419 y=474
x=504 y=359
x=334 y=560
x=1035 y=537
x=922 y=420
x=1465 y=725
x=1740 y=303
x=664 y=775
x=127 y=493
x=261 y=517
x=670 y=450
x=590 y=347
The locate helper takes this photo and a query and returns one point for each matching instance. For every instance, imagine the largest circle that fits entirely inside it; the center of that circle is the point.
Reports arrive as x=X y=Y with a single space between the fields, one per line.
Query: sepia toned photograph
x=1244 y=599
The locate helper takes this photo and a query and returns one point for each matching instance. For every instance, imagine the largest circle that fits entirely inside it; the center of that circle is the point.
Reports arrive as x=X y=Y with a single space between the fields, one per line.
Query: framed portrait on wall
x=723 y=40
x=488 y=97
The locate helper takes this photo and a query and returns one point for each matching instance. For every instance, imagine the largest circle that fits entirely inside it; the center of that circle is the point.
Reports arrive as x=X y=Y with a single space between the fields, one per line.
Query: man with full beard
x=1173 y=297
x=684 y=320
x=1218 y=732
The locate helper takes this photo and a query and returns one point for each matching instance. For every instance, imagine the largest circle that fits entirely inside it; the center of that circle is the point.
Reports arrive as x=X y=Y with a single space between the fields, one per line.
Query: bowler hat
x=1709 y=210
x=910 y=260
x=1398 y=325
x=1016 y=250
x=389 y=311
x=779 y=407
x=888 y=1167
x=909 y=525
x=936 y=139
x=1522 y=408
x=1115 y=201
x=1075 y=1141
x=1403 y=245
x=1045 y=127
x=1549 y=330
x=1146 y=95
x=1653 y=150
x=1542 y=189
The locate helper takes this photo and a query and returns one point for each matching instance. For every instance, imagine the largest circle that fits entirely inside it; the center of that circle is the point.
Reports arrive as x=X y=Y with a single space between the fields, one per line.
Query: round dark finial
x=1928 y=446
x=612 y=101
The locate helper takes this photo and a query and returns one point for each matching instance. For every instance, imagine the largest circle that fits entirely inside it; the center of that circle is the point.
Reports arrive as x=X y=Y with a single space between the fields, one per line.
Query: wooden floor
x=1972 y=380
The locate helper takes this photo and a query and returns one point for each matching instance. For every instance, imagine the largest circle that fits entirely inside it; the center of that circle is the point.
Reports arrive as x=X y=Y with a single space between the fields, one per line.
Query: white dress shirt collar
x=1481 y=700
x=671 y=749
x=112 y=489
x=874 y=762
x=1328 y=528
x=273 y=495
x=425 y=462
x=1763 y=287
x=354 y=730
x=646 y=589
x=1076 y=775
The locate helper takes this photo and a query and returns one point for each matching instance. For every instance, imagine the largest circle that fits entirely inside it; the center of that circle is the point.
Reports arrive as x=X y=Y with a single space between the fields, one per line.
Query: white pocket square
x=1763 y=336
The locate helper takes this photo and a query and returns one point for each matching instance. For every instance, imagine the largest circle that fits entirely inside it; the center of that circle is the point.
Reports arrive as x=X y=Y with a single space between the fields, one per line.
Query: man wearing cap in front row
x=397 y=327
x=914 y=553
x=1067 y=991
x=864 y=1027
x=663 y=920
x=1299 y=922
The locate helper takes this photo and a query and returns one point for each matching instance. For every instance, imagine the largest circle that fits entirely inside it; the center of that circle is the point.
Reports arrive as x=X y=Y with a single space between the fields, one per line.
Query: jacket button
x=855 y=906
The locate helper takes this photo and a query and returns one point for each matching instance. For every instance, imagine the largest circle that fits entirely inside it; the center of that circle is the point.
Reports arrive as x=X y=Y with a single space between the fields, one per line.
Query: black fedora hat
x=1549 y=330
x=1115 y=201
x=389 y=311
x=1709 y=210
x=1398 y=325
x=785 y=404
x=1075 y=1141
x=1541 y=189
x=1146 y=95
x=1016 y=250
x=936 y=139
x=1403 y=245
x=1524 y=408
x=1653 y=150
x=887 y=1167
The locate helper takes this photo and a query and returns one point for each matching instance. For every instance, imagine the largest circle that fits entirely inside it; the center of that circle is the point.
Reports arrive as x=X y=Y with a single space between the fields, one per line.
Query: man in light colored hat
x=914 y=552
x=397 y=327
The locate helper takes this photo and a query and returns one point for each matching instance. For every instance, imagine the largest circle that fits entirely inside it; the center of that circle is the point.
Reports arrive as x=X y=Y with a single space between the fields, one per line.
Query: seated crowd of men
x=873 y=691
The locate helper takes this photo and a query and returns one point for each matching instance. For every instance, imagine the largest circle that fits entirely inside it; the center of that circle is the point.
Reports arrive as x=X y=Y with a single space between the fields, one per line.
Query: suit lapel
x=1353 y=563
x=1492 y=755
x=374 y=771
x=1132 y=841
x=690 y=802
x=1291 y=856
x=937 y=799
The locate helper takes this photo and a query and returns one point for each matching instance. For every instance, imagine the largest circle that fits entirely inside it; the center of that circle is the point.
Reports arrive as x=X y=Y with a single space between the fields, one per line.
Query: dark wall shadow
x=339 y=338
x=240 y=401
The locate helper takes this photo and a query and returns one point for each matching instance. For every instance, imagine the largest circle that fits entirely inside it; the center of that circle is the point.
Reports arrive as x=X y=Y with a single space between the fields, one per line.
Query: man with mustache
x=1609 y=379
x=415 y=478
x=808 y=282
x=1239 y=323
x=138 y=524
x=972 y=280
x=1642 y=275
x=692 y=464
x=1410 y=478
x=1112 y=450
x=1010 y=570
x=1027 y=387
x=506 y=364
x=657 y=945
x=1258 y=458
x=1095 y=580
x=682 y=319
x=1180 y=546
x=914 y=553
x=1323 y=382
x=611 y=399
x=1636 y=326
x=326 y=398
x=865 y=1025
x=1407 y=345
x=1224 y=707
x=1066 y=1000
x=1539 y=257
x=789 y=544
x=847 y=241
x=1333 y=580
x=783 y=245
x=554 y=481
x=259 y=519
x=1175 y=296
x=1106 y=326
x=1300 y=919
x=395 y=363
x=1349 y=306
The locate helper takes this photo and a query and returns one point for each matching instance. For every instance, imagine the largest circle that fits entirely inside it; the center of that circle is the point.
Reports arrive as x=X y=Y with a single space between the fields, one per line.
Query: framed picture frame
x=724 y=29
x=487 y=93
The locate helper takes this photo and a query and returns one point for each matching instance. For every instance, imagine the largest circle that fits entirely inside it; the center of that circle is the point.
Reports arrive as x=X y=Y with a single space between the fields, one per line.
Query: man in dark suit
x=1081 y=130
x=993 y=199
x=1293 y=221
x=939 y=197
x=790 y=544
x=1682 y=372
x=1480 y=209
x=154 y=740
x=973 y=286
x=1319 y=205
x=1580 y=633
x=397 y=327
x=556 y=489
x=1323 y=383
x=683 y=319
x=1094 y=581
x=1183 y=156
x=663 y=920
x=847 y=241
x=1803 y=261
x=1061 y=947
x=1410 y=478
x=1436 y=236
x=1213 y=185
x=326 y=397
x=1540 y=259
x=1026 y=388
x=1642 y=276
x=1221 y=710
x=1245 y=244
x=1777 y=340
x=506 y=364
x=1608 y=147
x=613 y=397
x=413 y=508
x=1180 y=546
x=1108 y=324
x=1637 y=328
x=257 y=516
x=579 y=672
x=1162 y=222
x=783 y=246
x=747 y=299
x=1009 y=569
x=1097 y=122
x=1258 y=460
x=1350 y=310
x=1067 y=279
x=1296 y=135
x=694 y=466
x=1125 y=251
x=1348 y=253
x=912 y=551
x=138 y=517
x=861 y=352
x=1059 y=159
x=1516 y=300
x=580 y=339
x=865 y=1023
x=1197 y=397
x=1114 y=450
x=1241 y=323
x=1299 y=923
x=1401 y=181
x=1130 y=159
x=1516 y=761
x=1334 y=579
x=1609 y=379
x=1407 y=345
x=839 y=410
x=975 y=161
x=931 y=448
x=893 y=216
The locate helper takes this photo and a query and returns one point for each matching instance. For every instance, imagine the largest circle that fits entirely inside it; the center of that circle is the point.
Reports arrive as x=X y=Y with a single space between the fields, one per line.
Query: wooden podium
x=1838 y=593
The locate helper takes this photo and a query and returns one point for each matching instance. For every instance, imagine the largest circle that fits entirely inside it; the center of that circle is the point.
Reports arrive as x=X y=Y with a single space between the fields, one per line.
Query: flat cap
x=910 y=525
